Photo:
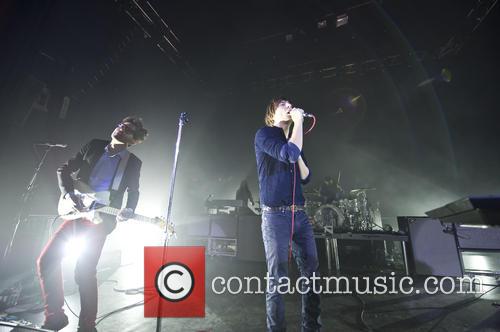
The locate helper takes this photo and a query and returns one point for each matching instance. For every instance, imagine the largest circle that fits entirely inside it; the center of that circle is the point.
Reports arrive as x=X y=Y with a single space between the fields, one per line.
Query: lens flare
x=74 y=248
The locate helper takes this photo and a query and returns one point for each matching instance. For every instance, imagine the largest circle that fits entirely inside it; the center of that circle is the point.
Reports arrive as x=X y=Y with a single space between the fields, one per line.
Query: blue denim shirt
x=102 y=175
x=276 y=158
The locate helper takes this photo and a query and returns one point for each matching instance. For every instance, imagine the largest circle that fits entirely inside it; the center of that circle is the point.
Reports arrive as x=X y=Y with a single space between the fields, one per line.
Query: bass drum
x=330 y=218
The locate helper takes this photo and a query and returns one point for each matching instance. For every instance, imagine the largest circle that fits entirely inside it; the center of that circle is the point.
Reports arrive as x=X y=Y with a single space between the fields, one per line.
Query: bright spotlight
x=342 y=20
x=74 y=247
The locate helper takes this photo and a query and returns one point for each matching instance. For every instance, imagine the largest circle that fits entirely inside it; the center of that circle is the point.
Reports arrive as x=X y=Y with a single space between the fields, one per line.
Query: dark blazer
x=83 y=163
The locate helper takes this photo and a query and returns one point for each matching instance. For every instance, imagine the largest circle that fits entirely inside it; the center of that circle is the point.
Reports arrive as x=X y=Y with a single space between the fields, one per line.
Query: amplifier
x=473 y=237
x=432 y=251
x=250 y=244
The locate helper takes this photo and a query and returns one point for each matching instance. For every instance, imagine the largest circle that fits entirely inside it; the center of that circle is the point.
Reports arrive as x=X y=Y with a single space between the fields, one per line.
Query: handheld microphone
x=63 y=146
x=306 y=115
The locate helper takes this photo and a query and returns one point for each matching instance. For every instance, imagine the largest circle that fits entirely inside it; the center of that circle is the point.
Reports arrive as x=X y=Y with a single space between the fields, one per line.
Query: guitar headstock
x=162 y=222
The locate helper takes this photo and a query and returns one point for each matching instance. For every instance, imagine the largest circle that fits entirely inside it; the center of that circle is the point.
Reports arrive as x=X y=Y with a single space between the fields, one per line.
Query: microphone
x=63 y=146
x=305 y=115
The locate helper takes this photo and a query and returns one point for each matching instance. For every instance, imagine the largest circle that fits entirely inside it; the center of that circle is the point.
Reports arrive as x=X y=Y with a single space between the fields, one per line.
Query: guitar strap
x=119 y=172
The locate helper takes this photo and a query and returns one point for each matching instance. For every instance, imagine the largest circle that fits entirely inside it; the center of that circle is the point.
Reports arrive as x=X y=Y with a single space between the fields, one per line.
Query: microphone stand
x=183 y=119
x=25 y=198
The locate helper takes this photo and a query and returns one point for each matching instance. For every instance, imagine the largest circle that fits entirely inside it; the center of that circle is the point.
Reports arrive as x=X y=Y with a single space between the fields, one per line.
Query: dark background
x=386 y=115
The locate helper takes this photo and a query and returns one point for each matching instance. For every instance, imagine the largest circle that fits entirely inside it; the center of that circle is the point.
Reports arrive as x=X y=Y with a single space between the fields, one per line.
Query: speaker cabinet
x=250 y=244
x=473 y=237
x=223 y=226
x=433 y=251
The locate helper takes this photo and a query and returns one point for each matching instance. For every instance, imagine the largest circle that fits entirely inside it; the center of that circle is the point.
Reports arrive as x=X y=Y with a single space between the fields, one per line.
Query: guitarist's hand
x=125 y=214
x=77 y=201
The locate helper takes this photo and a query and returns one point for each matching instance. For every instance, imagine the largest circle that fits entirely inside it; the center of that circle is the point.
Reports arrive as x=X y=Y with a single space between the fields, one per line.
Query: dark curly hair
x=140 y=133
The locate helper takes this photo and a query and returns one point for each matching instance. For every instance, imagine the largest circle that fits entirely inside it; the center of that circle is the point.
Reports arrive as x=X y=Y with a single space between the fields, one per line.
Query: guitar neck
x=114 y=211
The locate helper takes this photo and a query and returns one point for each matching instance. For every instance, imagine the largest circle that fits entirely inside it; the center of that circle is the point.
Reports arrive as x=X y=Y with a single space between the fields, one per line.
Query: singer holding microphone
x=104 y=166
x=282 y=170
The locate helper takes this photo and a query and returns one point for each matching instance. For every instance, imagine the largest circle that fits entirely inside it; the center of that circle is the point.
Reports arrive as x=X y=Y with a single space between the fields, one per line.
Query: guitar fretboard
x=114 y=211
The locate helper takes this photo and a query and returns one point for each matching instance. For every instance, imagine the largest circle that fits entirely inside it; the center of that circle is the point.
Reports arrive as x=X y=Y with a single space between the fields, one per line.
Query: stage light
x=354 y=100
x=322 y=24
x=446 y=75
x=443 y=76
x=342 y=20
x=133 y=235
x=74 y=247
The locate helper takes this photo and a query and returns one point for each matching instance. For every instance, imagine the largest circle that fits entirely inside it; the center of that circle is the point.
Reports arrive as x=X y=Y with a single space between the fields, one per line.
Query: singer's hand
x=297 y=115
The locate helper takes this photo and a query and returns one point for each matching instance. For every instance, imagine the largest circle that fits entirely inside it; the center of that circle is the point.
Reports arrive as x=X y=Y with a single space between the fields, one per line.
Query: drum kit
x=352 y=213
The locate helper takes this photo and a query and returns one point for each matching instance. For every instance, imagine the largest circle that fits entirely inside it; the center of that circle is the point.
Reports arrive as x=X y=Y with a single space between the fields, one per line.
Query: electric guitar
x=96 y=203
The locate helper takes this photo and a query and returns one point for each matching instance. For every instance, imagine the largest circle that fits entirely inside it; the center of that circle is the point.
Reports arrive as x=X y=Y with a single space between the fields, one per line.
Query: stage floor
x=391 y=312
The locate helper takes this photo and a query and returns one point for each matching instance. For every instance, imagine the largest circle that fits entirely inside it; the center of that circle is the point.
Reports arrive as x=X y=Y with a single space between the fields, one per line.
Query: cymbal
x=355 y=191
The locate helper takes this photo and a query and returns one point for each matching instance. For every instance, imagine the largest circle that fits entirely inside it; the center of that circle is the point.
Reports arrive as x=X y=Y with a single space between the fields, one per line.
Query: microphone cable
x=312 y=126
x=293 y=195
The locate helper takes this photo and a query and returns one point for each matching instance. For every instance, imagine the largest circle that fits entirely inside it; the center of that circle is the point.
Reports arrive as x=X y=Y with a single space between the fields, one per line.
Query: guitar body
x=91 y=200
x=96 y=203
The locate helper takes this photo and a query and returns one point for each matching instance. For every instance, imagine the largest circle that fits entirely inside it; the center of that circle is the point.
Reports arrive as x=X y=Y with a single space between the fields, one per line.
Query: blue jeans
x=276 y=229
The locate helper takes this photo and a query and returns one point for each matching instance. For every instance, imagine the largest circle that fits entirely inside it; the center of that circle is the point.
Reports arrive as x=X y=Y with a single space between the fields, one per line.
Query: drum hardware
x=351 y=214
x=312 y=196
x=330 y=218
x=311 y=207
x=360 y=191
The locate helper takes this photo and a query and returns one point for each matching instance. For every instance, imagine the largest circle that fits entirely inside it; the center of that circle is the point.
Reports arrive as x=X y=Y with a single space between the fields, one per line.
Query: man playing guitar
x=108 y=169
